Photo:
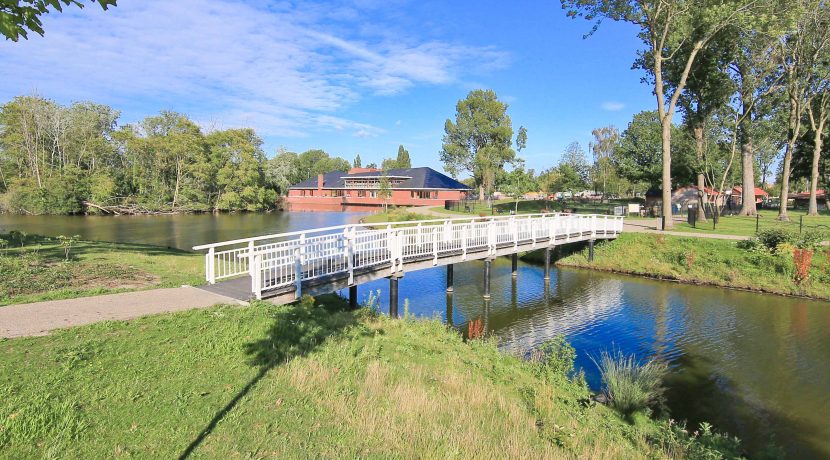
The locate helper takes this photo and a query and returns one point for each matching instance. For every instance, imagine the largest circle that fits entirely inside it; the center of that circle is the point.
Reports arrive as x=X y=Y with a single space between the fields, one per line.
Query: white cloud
x=281 y=69
x=612 y=106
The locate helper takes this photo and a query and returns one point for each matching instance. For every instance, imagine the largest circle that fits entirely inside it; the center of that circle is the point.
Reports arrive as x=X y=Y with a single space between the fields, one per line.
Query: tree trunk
x=748 y=179
x=818 y=132
x=700 y=145
x=795 y=129
x=666 y=180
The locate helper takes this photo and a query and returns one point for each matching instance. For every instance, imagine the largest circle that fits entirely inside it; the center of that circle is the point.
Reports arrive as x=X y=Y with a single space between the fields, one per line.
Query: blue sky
x=351 y=77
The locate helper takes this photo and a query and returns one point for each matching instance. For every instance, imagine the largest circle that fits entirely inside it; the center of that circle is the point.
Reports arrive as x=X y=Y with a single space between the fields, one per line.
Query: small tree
x=384 y=190
x=357 y=162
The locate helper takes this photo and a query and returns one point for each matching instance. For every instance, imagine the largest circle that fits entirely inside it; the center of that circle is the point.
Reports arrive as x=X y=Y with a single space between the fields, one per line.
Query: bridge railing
x=286 y=259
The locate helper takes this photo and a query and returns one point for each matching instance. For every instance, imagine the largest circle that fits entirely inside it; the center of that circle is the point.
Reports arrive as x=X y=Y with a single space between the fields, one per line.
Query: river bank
x=706 y=261
x=289 y=380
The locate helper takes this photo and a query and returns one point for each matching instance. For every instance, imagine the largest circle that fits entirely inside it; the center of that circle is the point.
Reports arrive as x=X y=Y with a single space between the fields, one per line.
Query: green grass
x=308 y=380
x=745 y=226
x=396 y=215
x=706 y=261
x=630 y=385
x=38 y=270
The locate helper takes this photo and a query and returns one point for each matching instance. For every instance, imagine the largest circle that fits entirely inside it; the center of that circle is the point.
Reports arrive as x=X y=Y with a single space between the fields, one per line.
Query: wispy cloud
x=612 y=106
x=284 y=70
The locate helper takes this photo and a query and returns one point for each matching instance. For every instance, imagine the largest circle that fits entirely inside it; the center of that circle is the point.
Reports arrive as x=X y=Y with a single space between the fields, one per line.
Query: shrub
x=475 y=329
x=556 y=356
x=629 y=385
x=811 y=239
x=772 y=237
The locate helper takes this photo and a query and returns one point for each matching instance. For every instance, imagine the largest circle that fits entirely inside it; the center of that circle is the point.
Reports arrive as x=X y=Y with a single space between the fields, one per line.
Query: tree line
x=749 y=78
x=57 y=159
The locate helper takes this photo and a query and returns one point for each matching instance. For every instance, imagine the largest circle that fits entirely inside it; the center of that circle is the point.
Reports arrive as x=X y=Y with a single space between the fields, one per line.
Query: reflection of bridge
x=283 y=266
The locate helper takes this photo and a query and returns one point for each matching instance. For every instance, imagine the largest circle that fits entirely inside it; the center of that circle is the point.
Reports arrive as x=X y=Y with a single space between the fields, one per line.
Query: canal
x=757 y=366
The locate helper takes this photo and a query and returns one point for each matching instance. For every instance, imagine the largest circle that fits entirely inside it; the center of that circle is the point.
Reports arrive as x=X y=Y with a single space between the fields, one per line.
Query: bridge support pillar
x=352 y=297
x=590 y=250
x=449 y=277
x=393 y=297
x=487 y=264
x=514 y=259
x=449 y=309
x=547 y=264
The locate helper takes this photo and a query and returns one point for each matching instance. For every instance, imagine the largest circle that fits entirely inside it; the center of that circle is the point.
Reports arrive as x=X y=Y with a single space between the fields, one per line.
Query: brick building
x=359 y=190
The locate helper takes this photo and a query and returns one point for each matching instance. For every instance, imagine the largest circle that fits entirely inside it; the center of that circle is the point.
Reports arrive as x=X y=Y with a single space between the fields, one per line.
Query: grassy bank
x=396 y=215
x=36 y=268
x=708 y=261
x=302 y=381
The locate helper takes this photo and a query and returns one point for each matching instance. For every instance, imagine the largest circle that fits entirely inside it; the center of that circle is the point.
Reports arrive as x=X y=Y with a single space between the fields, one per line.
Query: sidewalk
x=652 y=225
x=41 y=317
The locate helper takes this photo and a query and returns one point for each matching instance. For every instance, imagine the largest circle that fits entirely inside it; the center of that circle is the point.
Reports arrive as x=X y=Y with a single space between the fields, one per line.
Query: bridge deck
x=241 y=287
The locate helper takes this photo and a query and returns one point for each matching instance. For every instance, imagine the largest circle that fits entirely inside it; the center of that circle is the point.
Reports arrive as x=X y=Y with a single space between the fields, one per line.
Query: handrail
x=377 y=224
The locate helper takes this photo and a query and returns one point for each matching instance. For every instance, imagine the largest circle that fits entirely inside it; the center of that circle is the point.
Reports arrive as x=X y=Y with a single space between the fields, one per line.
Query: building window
x=424 y=194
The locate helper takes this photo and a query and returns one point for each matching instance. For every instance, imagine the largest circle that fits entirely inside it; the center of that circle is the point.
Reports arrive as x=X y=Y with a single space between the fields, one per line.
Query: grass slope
x=706 y=261
x=301 y=381
x=38 y=270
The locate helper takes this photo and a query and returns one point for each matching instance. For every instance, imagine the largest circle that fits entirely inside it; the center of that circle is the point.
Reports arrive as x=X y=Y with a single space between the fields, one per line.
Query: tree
x=800 y=52
x=281 y=172
x=818 y=112
x=384 y=190
x=605 y=142
x=665 y=27
x=18 y=17
x=357 y=163
x=403 y=160
x=479 y=142
x=240 y=179
x=573 y=168
x=372 y=165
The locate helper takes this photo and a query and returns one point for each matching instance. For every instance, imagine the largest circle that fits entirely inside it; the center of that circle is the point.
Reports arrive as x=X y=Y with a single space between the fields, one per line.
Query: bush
x=772 y=237
x=629 y=385
x=556 y=356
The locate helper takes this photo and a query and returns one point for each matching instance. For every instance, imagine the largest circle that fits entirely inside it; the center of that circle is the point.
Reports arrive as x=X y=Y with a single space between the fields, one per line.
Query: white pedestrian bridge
x=284 y=266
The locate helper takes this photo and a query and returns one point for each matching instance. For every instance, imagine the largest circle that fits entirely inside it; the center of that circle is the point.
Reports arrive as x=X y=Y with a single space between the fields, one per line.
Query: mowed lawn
x=746 y=226
x=309 y=380
x=35 y=268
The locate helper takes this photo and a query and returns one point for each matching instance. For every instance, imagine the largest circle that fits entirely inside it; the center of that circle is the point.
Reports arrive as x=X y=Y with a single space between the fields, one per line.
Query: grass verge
x=746 y=226
x=35 y=268
x=706 y=261
x=308 y=380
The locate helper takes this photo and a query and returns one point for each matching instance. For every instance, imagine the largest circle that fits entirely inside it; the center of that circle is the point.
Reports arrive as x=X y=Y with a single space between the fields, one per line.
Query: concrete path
x=41 y=317
x=651 y=226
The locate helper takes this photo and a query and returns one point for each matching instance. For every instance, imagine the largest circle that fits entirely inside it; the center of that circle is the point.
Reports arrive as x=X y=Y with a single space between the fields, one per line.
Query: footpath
x=41 y=317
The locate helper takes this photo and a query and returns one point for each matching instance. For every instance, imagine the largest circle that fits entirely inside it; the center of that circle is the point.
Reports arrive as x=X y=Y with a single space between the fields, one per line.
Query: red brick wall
x=296 y=202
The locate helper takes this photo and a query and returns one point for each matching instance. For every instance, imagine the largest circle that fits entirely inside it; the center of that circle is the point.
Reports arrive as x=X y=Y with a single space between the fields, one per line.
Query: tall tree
x=357 y=163
x=18 y=17
x=403 y=161
x=479 y=142
x=800 y=53
x=605 y=142
x=666 y=26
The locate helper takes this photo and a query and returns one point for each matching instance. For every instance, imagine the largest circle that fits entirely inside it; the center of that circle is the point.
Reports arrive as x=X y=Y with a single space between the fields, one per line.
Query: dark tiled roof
x=419 y=178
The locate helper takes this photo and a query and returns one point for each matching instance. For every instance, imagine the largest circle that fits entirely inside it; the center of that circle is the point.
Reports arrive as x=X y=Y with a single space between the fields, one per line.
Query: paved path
x=652 y=225
x=41 y=317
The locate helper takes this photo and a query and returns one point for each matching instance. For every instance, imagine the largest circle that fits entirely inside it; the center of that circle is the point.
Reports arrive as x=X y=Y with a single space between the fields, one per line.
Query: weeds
x=66 y=243
x=629 y=385
x=475 y=329
x=691 y=255
x=556 y=356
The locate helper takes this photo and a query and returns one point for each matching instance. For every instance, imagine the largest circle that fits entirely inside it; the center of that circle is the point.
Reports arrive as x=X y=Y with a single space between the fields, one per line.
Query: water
x=181 y=231
x=757 y=366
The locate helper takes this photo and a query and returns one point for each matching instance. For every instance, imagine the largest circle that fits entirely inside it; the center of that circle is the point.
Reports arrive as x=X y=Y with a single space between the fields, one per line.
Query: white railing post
x=210 y=265
x=435 y=245
x=256 y=281
x=594 y=226
x=390 y=246
x=298 y=267
x=465 y=233
x=491 y=236
x=349 y=236
x=532 y=232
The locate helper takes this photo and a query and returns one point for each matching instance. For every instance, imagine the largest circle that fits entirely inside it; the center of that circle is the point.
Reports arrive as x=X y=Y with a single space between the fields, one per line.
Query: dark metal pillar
x=547 y=263
x=487 y=278
x=393 y=297
x=449 y=309
x=449 y=277
x=590 y=250
x=353 y=297
x=515 y=264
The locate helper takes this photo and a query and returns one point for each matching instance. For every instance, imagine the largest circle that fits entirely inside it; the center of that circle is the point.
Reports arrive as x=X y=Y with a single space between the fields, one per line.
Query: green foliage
x=164 y=162
x=18 y=17
x=66 y=243
x=479 y=142
x=629 y=385
x=676 y=442
x=556 y=357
